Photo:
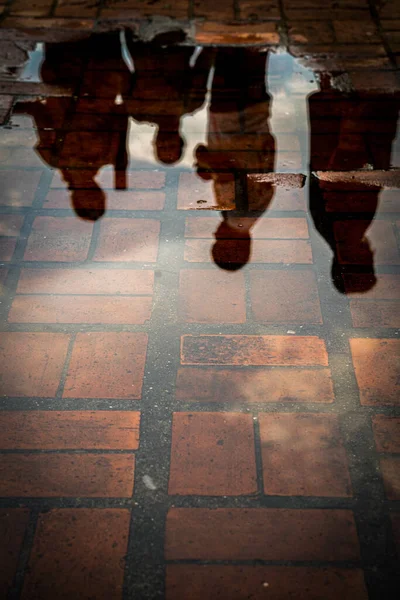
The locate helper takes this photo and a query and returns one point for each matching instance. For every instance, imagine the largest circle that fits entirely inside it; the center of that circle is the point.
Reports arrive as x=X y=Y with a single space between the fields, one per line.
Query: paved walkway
x=200 y=306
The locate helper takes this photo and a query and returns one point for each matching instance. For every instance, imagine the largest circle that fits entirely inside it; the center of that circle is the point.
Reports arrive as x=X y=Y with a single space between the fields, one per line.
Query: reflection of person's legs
x=340 y=127
x=238 y=140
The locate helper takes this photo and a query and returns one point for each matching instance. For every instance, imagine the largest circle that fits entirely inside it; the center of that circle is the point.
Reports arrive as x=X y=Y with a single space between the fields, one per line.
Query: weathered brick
x=69 y=475
x=70 y=430
x=257 y=385
x=13 y=522
x=212 y=454
x=106 y=365
x=128 y=240
x=253 y=350
x=61 y=239
x=303 y=455
x=78 y=549
x=260 y=533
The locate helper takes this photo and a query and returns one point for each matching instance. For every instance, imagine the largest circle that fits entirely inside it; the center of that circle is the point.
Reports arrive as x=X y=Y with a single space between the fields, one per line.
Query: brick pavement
x=196 y=403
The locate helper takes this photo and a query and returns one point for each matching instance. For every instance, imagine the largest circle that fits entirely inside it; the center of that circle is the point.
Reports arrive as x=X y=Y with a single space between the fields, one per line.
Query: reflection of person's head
x=89 y=204
x=169 y=146
x=231 y=251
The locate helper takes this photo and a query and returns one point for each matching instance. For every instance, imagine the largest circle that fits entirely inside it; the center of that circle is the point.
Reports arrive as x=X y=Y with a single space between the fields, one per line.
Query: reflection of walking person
x=80 y=137
x=347 y=133
x=238 y=141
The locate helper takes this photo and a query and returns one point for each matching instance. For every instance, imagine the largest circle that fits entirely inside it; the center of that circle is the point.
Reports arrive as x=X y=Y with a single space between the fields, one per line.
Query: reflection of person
x=80 y=137
x=340 y=127
x=170 y=82
x=238 y=141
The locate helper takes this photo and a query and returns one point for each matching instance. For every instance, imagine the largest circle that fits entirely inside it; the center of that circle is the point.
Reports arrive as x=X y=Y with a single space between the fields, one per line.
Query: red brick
x=7 y=247
x=261 y=251
x=311 y=33
x=145 y=180
x=197 y=193
x=59 y=239
x=236 y=582
x=212 y=454
x=68 y=475
x=375 y=314
x=80 y=309
x=303 y=455
x=356 y=32
x=255 y=385
x=39 y=8
x=390 y=469
x=349 y=234
x=13 y=522
x=387 y=287
x=261 y=533
x=78 y=550
x=106 y=365
x=221 y=11
x=387 y=433
x=214 y=32
x=86 y=281
x=128 y=240
x=256 y=9
x=70 y=430
x=376 y=366
x=212 y=296
x=269 y=350
x=18 y=187
x=115 y=199
x=70 y=8
x=285 y=297
x=31 y=363
x=130 y=9
x=283 y=228
x=10 y=225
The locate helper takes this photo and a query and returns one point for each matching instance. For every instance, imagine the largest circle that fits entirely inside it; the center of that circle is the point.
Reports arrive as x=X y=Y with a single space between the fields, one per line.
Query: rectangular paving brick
x=31 y=363
x=390 y=469
x=236 y=582
x=86 y=281
x=256 y=385
x=80 y=309
x=386 y=286
x=115 y=199
x=377 y=367
x=207 y=296
x=260 y=533
x=59 y=239
x=282 y=228
x=7 y=247
x=146 y=179
x=253 y=350
x=285 y=297
x=67 y=475
x=128 y=240
x=78 y=551
x=10 y=225
x=386 y=433
x=212 y=454
x=375 y=314
x=194 y=192
x=18 y=186
x=303 y=455
x=70 y=430
x=261 y=251
x=106 y=365
x=13 y=522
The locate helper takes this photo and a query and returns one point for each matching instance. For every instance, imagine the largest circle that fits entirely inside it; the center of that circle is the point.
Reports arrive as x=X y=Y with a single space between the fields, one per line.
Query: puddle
x=208 y=237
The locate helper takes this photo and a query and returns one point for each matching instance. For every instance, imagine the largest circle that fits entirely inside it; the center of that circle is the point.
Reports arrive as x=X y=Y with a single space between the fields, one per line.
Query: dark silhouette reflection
x=238 y=141
x=80 y=134
x=170 y=82
x=348 y=132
